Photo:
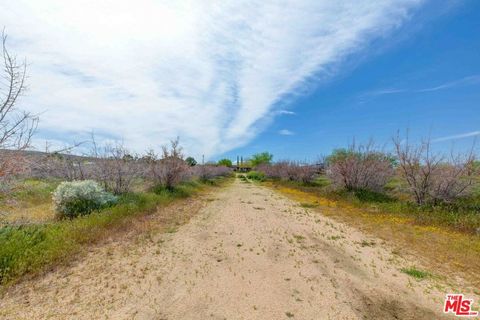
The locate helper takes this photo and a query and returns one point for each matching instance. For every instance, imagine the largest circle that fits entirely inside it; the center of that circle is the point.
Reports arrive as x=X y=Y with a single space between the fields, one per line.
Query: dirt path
x=249 y=254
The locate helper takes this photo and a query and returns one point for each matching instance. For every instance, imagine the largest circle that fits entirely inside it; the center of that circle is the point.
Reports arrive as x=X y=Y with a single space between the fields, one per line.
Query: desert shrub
x=170 y=169
x=301 y=172
x=452 y=181
x=78 y=198
x=12 y=164
x=283 y=170
x=114 y=166
x=272 y=171
x=208 y=172
x=31 y=248
x=360 y=167
x=64 y=166
x=290 y=171
x=256 y=175
x=433 y=178
x=279 y=170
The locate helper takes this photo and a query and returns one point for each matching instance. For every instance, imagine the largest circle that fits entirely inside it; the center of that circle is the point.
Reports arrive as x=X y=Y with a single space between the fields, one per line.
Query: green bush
x=191 y=161
x=225 y=162
x=77 y=198
x=256 y=175
x=261 y=158
x=365 y=195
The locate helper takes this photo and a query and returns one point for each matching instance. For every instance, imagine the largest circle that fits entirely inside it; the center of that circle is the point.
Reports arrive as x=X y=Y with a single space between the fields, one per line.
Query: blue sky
x=427 y=82
x=426 y=78
x=293 y=77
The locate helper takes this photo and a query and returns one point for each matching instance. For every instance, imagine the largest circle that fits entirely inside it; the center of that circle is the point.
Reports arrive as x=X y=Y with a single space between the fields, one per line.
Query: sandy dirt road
x=249 y=253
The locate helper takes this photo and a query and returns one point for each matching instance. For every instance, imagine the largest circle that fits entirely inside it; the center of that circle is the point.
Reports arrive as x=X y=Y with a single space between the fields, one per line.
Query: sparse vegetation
x=85 y=196
x=290 y=171
x=463 y=215
x=416 y=273
x=31 y=248
x=207 y=173
x=308 y=205
x=105 y=229
x=429 y=189
x=256 y=176
x=109 y=186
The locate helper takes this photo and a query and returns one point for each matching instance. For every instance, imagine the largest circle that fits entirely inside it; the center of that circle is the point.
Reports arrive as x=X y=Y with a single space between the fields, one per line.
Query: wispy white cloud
x=209 y=72
x=381 y=92
x=457 y=136
x=451 y=84
x=285 y=132
x=287 y=112
x=470 y=80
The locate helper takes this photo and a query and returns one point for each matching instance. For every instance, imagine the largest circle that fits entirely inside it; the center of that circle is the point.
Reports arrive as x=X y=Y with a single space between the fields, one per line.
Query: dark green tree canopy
x=225 y=162
x=191 y=161
x=261 y=158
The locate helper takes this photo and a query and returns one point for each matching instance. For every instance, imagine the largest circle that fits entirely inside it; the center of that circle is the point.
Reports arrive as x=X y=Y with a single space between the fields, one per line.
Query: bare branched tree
x=432 y=177
x=60 y=163
x=455 y=178
x=170 y=169
x=16 y=126
x=114 y=166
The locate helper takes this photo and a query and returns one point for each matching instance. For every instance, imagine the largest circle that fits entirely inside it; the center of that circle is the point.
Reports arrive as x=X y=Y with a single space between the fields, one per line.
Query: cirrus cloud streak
x=211 y=72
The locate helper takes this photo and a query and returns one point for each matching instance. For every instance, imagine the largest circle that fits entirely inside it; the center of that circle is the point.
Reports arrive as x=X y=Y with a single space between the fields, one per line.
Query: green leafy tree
x=261 y=158
x=225 y=162
x=191 y=161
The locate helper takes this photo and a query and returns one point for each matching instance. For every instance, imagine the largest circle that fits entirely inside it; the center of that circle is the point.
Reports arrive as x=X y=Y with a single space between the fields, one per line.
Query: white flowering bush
x=76 y=198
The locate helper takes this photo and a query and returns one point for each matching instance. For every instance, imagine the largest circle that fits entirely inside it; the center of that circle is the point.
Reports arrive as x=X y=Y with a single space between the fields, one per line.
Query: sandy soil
x=249 y=253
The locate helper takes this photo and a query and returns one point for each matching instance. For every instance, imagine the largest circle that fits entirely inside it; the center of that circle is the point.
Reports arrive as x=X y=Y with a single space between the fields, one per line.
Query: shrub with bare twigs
x=433 y=177
x=290 y=170
x=115 y=167
x=61 y=164
x=208 y=172
x=170 y=169
x=111 y=165
x=360 y=167
x=276 y=170
x=304 y=173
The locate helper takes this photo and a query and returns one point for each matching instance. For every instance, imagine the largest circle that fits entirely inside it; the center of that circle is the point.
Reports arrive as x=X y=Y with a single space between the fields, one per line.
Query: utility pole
x=203 y=159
